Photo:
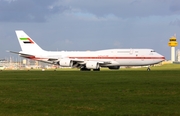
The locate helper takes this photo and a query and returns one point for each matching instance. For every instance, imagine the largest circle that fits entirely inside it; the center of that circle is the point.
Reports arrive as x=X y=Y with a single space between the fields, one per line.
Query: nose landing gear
x=148 y=69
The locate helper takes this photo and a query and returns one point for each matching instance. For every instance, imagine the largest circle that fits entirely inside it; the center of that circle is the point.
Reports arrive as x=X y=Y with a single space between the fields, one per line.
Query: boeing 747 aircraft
x=87 y=60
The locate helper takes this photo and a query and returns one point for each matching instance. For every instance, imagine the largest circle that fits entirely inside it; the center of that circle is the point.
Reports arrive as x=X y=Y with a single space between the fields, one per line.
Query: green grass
x=125 y=92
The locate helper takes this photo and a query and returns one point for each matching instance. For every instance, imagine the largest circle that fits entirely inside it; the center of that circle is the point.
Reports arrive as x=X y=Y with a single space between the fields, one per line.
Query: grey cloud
x=126 y=8
x=41 y=10
x=175 y=7
x=28 y=10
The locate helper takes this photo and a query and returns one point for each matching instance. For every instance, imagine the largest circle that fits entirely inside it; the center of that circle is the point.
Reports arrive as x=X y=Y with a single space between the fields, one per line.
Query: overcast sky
x=90 y=24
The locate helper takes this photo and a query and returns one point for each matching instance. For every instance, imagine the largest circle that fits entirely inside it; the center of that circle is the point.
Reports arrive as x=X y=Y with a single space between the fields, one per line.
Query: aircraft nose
x=161 y=57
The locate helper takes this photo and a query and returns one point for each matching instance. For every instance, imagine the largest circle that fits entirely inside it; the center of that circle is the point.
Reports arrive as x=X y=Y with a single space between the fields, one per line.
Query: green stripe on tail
x=23 y=38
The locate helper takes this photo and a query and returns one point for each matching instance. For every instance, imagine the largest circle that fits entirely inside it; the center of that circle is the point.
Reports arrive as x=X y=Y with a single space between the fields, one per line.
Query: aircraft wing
x=22 y=54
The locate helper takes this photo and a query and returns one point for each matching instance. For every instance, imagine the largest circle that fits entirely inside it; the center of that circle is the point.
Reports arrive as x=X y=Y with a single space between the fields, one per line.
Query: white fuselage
x=113 y=57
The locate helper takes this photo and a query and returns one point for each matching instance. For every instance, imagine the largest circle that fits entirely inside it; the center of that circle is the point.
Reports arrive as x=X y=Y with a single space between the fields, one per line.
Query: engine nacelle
x=66 y=63
x=114 y=67
x=92 y=65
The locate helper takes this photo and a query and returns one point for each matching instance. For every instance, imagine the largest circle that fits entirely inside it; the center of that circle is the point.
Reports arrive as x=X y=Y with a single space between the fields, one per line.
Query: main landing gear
x=96 y=69
x=86 y=69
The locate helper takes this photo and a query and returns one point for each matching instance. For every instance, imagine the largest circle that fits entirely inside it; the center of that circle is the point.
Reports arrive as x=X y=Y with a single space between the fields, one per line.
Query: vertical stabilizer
x=26 y=43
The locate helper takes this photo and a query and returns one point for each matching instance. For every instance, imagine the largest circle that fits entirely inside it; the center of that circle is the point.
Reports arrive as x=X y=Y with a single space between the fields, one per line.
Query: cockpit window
x=152 y=51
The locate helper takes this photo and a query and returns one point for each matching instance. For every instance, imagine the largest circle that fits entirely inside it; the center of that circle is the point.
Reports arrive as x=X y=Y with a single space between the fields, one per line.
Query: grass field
x=135 y=92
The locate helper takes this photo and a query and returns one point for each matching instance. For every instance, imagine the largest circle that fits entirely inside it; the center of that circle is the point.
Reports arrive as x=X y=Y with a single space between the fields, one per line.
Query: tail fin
x=26 y=43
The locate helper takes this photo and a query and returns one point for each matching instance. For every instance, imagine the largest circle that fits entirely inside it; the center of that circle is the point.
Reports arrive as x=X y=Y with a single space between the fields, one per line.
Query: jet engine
x=92 y=65
x=66 y=63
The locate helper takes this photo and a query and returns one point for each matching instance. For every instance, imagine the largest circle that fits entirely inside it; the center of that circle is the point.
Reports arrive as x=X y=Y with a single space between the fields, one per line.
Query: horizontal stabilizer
x=32 y=56
x=23 y=54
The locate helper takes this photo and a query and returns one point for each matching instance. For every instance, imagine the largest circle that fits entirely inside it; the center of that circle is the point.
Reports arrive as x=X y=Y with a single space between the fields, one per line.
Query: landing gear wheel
x=96 y=69
x=85 y=69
